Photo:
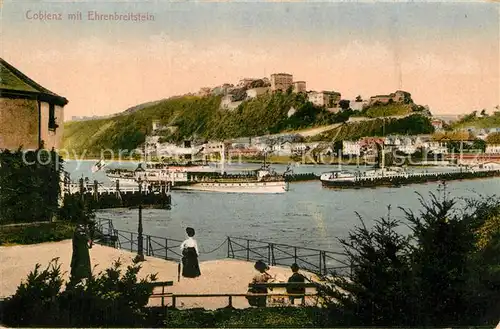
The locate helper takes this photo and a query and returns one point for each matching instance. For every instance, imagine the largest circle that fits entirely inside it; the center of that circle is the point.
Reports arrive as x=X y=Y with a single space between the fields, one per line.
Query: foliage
x=76 y=209
x=378 y=290
x=493 y=138
x=109 y=299
x=35 y=298
x=36 y=233
x=412 y=125
x=454 y=136
x=473 y=120
x=291 y=317
x=385 y=110
x=29 y=185
x=445 y=273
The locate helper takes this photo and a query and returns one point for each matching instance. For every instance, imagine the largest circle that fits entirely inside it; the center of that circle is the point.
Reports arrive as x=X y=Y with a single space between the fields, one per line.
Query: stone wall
x=18 y=123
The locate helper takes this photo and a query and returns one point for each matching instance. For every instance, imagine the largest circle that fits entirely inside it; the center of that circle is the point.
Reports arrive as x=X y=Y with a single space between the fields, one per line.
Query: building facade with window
x=30 y=115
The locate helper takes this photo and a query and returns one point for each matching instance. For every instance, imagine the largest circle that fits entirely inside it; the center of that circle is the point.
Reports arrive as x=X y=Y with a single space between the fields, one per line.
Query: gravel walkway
x=219 y=276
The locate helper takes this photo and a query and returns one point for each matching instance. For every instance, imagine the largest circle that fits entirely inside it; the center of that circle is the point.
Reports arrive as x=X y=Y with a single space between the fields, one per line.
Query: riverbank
x=218 y=276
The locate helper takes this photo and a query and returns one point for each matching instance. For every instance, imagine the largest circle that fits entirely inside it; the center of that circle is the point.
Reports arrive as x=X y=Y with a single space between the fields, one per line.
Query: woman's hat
x=261 y=266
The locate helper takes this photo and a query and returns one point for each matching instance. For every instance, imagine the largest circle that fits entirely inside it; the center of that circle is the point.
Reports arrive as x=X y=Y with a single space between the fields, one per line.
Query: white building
x=284 y=148
x=255 y=92
x=492 y=149
x=357 y=106
x=324 y=98
x=351 y=148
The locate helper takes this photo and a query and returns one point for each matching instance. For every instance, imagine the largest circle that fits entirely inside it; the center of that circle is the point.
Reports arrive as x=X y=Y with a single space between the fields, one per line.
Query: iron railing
x=314 y=260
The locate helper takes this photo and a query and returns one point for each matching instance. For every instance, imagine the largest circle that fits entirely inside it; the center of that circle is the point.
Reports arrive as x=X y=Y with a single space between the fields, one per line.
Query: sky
x=446 y=54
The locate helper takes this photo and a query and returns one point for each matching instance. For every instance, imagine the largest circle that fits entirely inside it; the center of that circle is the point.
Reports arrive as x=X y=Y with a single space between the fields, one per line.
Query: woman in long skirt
x=189 y=249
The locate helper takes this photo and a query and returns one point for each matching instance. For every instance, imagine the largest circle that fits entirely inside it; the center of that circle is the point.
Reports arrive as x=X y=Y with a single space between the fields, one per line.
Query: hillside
x=473 y=120
x=391 y=109
x=200 y=118
x=193 y=117
x=411 y=125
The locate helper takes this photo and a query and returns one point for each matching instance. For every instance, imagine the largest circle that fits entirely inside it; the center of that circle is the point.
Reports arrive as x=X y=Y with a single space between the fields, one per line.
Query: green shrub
x=289 y=317
x=29 y=185
x=36 y=233
x=108 y=299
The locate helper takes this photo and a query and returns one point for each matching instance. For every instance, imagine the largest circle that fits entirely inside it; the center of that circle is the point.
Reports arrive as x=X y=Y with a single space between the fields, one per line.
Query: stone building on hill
x=399 y=96
x=30 y=115
x=281 y=81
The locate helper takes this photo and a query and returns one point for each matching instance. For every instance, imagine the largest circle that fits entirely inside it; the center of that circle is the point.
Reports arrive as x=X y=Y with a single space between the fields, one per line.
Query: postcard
x=249 y=163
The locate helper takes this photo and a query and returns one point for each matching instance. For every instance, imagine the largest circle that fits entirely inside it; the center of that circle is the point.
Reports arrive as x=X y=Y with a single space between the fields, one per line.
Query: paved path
x=219 y=276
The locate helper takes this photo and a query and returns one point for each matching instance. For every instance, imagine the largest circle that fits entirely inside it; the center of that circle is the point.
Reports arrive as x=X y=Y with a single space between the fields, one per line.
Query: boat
x=330 y=177
x=203 y=178
x=261 y=181
x=341 y=178
x=154 y=172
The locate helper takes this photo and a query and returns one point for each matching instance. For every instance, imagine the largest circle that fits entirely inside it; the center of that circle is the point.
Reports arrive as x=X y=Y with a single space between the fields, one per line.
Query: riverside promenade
x=218 y=276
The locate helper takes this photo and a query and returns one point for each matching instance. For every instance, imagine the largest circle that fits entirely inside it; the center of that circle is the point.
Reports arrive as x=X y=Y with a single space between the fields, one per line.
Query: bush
x=108 y=299
x=290 y=317
x=29 y=185
x=36 y=233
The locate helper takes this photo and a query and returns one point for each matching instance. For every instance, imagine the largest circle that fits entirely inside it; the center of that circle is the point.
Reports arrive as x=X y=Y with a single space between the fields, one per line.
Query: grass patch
x=35 y=233
x=377 y=111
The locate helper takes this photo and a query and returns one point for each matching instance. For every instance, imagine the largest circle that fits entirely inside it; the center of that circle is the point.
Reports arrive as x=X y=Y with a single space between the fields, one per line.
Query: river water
x=307 y=215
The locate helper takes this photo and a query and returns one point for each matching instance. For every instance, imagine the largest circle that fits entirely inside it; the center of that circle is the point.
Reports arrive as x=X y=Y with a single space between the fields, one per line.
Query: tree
x=483 y=113
x=443 y=242
x=359 y=99
x=445 y=273
x=479 y=144
x=493 y=138
x=29 y=185
x=344 y=104
x=378 y=291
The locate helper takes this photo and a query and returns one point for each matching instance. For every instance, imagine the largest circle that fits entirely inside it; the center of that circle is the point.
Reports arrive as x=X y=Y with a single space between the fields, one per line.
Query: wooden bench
x=174 y=297
x=162 y=294
x=271 y=285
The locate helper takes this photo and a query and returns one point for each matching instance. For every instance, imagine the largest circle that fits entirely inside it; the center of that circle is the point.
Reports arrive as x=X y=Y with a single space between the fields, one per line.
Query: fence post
x=269 y=253
x=230 y=301
x=173 y=301
x=320 y=267
x=273 y=261
x=295 y=255
x=228 y=246
x=166 y=248
x=324 y=262
x=248 y=250
x=131 y=241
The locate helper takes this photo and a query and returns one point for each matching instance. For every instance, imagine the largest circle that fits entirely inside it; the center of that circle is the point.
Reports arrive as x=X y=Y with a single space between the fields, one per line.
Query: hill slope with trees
x=192 y=117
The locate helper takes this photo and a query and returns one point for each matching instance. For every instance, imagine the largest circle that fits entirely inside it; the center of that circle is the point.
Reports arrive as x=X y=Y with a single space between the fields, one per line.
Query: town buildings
x=324 y=98
x=30 y=115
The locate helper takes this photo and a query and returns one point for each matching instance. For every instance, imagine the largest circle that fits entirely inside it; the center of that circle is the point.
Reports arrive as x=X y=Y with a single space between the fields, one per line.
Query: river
x=307 y=215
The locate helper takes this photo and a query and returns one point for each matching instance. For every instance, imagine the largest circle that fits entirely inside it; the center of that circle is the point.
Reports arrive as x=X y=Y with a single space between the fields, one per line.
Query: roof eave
x=53 y=99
